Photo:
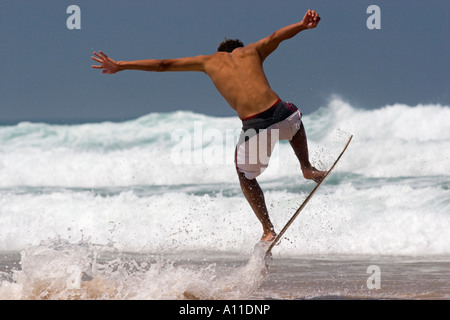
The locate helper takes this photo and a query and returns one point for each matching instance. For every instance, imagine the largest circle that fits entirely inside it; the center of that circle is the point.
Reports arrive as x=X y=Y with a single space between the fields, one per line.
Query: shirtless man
x=237 y=72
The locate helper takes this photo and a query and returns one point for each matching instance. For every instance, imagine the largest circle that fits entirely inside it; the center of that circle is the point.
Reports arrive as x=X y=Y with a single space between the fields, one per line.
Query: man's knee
x=247 y=175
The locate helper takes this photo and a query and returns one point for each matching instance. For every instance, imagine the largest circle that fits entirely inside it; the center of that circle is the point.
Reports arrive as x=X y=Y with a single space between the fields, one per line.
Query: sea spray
x=236 y=283
x=59 y=270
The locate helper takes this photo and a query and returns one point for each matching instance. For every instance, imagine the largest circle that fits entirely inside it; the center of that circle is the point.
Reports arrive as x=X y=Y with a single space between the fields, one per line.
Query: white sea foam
x=71 y=271
x=118 y=183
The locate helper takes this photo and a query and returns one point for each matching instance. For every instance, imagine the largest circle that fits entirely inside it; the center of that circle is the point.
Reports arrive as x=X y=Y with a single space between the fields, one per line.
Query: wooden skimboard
x=277 y=239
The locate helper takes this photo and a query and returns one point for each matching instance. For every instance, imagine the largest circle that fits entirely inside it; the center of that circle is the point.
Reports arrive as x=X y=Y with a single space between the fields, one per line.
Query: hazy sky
x=45 y=68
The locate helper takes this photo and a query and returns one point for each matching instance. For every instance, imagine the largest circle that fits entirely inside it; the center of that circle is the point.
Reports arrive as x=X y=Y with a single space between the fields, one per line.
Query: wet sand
x=310 y=277
x=344 y=277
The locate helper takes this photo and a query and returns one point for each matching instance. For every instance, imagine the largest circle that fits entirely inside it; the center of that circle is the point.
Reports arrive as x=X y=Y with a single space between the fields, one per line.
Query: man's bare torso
x=240 y=79
x=239 y=75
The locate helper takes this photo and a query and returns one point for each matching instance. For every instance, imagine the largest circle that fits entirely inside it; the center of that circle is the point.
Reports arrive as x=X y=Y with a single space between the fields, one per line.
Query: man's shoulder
x=217 y=57
x=249 y=49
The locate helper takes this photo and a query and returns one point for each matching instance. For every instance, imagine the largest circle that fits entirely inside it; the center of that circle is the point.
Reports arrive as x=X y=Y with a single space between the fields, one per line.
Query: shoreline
x=312 y=277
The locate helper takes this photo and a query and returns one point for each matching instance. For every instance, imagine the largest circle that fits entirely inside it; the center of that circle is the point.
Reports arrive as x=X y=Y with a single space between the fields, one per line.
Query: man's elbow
x=276 y=38
x=163 y=65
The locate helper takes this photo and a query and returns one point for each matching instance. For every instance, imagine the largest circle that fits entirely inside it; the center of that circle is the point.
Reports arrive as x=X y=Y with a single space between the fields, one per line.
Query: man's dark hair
x=229 y=45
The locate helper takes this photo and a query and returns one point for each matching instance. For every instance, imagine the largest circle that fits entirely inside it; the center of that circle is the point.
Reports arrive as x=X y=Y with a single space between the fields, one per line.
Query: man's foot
x=314 y=174
x=268 y=236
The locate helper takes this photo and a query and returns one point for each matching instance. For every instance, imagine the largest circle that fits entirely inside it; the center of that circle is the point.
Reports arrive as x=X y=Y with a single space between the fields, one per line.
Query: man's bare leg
x=300 y=146
x=255 y=197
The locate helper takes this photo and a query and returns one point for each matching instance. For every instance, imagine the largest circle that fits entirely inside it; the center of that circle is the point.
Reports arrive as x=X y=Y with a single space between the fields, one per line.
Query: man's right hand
x=311 y=19
x=108 y=65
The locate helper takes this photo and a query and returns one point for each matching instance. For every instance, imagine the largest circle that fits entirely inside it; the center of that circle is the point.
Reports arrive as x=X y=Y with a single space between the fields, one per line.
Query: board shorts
x=261 y=132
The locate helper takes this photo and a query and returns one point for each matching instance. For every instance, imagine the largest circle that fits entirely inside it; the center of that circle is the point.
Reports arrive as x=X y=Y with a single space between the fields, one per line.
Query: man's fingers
x=96 y=59
x=95 y=53
x=312 y=16
x=106 y=64
x=104 y=55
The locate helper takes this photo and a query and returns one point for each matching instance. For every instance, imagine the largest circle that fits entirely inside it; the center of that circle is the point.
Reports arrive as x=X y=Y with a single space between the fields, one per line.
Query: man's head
x=229 y=45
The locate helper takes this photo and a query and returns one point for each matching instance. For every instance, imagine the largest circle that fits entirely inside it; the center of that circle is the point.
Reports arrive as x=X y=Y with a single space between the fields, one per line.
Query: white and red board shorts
x=261 y=132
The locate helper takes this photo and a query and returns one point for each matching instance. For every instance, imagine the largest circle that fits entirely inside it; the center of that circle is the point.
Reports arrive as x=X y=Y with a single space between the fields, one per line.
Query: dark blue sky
x=45 y=72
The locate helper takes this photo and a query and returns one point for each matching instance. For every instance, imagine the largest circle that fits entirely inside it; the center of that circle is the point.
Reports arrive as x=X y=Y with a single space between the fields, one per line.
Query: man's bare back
x=239 y=77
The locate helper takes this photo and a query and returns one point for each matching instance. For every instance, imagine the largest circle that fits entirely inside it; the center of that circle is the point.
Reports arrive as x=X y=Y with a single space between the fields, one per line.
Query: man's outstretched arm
x=110 y=66
x=268 y=45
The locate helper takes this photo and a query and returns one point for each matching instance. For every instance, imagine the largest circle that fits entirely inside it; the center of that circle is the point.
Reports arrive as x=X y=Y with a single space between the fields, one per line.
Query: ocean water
x=151 y=208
